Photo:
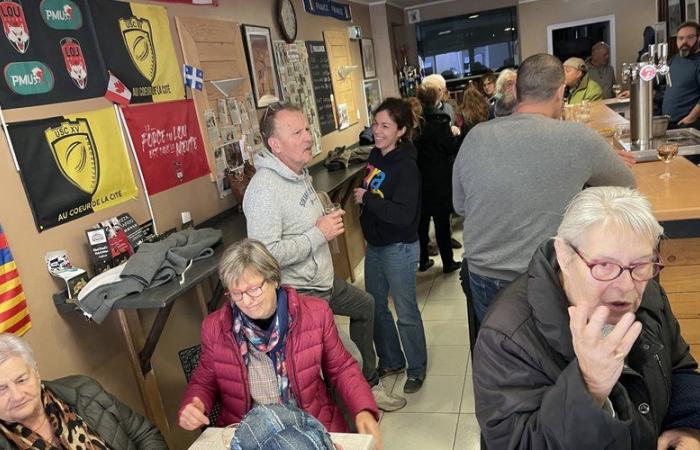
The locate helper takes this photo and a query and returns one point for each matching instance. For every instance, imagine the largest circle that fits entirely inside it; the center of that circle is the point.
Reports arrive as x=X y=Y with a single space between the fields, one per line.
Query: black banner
x=49 y=54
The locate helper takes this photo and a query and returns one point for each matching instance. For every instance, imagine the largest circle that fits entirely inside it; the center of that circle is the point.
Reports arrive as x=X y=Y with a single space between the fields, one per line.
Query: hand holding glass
x=329 y=209
x=616 y=89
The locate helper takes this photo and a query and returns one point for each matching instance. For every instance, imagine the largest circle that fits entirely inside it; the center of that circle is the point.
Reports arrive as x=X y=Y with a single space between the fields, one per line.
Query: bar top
x=675 y=199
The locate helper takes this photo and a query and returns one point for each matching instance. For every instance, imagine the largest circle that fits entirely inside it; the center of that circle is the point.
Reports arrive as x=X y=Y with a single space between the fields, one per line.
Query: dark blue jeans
x=483 y=290
x=393 y=268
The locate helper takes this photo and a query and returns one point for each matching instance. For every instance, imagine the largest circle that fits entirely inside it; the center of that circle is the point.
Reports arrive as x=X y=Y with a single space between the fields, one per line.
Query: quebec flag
x=194 y=77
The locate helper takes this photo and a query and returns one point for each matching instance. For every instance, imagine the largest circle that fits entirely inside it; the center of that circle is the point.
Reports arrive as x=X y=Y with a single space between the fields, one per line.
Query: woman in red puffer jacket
x=270 y=344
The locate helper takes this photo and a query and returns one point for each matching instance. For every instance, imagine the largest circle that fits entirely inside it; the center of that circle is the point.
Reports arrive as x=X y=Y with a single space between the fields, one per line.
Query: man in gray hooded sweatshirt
x=284 y=212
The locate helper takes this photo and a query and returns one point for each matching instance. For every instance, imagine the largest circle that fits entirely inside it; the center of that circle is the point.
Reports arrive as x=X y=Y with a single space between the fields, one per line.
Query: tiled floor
x=441 y=415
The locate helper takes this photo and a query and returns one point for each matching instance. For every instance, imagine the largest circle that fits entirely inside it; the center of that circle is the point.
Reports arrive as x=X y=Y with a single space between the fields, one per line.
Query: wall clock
x=287 y=20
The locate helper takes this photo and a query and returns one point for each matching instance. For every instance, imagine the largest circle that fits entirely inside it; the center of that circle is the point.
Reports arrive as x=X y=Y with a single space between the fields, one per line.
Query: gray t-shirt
x=512 y=180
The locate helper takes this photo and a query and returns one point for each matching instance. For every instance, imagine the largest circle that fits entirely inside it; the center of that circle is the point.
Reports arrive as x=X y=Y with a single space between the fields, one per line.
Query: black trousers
x=441 y=218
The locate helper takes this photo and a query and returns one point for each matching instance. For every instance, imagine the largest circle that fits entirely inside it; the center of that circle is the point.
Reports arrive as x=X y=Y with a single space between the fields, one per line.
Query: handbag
x=239 y=179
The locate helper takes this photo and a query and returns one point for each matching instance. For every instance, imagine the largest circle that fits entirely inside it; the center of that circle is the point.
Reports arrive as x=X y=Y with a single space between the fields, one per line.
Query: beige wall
x=631 y=16
x=67 y=344
x=383 y=50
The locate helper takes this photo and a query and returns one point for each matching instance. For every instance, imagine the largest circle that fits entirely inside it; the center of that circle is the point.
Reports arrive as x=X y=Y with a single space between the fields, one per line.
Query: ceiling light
x=473 y=16
x=444 y=32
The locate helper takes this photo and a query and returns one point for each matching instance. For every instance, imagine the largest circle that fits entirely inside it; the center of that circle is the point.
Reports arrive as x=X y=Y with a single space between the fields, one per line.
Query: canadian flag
x=117 y=92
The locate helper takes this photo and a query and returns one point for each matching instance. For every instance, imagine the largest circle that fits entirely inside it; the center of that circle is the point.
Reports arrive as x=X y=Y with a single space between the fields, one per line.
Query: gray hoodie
x=281 y=209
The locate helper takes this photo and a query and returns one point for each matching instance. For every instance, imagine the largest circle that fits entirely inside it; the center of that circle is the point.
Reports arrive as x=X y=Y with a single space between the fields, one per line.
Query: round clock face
x=287 y=19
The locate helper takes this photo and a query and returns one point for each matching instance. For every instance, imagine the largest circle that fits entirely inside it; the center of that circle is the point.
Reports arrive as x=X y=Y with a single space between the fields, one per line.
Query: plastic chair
x=189 y=358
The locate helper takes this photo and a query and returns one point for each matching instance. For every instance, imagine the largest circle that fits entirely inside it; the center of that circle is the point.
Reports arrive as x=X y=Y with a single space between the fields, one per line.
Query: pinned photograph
x=234 y=110
x=343 y=116
x=234 y=157
x=228 y=134
x=224 y=118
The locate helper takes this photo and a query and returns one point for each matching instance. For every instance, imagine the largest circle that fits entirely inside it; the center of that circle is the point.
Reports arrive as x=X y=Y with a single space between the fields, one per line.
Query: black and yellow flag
x=137 y=47
x=72 y=165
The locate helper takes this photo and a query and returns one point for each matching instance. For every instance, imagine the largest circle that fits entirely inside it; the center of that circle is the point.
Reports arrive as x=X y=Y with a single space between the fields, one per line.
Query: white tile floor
x=441 y=415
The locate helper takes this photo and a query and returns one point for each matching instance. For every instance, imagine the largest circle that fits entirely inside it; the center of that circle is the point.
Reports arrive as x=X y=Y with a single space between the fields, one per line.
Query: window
x=469 y=45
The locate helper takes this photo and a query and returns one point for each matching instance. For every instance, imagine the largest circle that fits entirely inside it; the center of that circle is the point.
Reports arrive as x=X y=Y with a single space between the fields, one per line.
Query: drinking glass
x=666 y=152
x=622 y=130
x=616 y=89
x=328 y=209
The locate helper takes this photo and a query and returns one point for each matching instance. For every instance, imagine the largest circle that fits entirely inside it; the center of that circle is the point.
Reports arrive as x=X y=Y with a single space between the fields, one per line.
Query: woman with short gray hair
x=71 y=413
x=270 y=345
x=582 y=351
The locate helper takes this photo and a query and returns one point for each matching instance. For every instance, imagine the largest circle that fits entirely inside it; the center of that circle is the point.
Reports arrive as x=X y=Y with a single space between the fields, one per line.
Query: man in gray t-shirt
x=600 y=70
x=514 y=176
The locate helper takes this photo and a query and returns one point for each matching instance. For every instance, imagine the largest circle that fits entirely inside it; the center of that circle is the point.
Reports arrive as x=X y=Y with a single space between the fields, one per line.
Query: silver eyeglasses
x=608 y=271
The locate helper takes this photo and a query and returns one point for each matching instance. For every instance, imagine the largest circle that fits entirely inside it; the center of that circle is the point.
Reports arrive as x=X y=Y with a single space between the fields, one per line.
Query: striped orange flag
x=14 y=316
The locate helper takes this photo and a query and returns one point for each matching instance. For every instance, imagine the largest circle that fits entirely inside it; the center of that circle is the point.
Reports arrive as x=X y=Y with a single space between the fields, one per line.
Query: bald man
x=599 y=68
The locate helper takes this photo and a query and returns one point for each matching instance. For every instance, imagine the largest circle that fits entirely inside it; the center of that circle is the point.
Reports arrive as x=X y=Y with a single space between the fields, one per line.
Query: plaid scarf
x=70 y=430
x=251 y=338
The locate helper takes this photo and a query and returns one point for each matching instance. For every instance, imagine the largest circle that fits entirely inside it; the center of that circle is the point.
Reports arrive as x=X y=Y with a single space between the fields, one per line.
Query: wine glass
x=666 y=152
x=616 y=89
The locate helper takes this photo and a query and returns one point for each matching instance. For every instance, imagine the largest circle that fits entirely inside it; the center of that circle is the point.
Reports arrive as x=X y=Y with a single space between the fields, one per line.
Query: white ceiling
x=407 y=4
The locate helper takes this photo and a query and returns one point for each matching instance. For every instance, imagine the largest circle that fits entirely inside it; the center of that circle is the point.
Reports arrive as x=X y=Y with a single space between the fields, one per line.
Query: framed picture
x=373 y=97
x=691 y=10
x=261 y=64
x=675 y=17
x=660 y=32
x=368 y=66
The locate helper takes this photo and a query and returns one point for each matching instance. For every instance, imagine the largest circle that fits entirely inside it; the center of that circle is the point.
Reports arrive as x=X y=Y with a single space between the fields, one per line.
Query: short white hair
x=11 y=345
x=434 y=80
x=506 y=76
x=623 y=207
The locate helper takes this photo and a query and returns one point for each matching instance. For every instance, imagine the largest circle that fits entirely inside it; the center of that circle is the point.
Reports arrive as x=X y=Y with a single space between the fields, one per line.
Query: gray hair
x=624 y=207
x=539 y=78
x=434 y=80
x=248 y=254
x=11 y=345
x=599 y=46
x=505 y=79
x=267 y=122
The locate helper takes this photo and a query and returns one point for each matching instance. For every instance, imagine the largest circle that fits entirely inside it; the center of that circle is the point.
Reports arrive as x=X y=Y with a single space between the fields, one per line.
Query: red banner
x=168 y=143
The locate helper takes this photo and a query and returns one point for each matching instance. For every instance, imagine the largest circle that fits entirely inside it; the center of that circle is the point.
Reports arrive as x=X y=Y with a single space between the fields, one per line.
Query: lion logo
x=14 y=25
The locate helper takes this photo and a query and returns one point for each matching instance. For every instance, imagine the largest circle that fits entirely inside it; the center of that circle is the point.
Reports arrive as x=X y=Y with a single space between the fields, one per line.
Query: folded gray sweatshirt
x=151 y=266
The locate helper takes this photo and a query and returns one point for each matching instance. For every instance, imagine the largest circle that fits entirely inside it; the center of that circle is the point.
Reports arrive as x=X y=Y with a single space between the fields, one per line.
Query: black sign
x=321 y=80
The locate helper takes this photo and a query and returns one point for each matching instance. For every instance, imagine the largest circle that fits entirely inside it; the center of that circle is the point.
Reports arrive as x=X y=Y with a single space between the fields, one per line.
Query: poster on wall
x=168 y=143
x=14 y=316
x=261 y=63
x=137 y=46
x=295 y=80
x=373 y=97
x=368 y=66
x=72 y=165
x=48 y=54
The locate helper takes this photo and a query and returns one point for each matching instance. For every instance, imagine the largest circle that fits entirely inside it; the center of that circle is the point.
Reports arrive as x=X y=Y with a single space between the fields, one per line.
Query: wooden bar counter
x=675 y=202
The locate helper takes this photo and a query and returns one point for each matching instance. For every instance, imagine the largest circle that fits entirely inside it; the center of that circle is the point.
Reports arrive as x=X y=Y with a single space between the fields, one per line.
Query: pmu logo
x=75 y=62
x=138 y=38
x=73 y=148
x=61 y=14
x=14 y=25
x=29 y=77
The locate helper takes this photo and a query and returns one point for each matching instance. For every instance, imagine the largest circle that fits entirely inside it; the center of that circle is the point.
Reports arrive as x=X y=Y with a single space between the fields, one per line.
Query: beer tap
x=663 y=67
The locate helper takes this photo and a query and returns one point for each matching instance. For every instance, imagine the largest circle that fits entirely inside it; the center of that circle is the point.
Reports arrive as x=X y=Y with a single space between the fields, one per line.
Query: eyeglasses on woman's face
x=609 y=271
x=254 y=292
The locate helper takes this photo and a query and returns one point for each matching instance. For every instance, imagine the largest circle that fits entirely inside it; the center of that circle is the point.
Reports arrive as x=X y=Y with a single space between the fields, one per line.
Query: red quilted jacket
x=312 y=347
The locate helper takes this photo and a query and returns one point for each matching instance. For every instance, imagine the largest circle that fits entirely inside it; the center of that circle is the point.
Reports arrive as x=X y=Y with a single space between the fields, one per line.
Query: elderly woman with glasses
x=582 y=351
x=271 y=345
x=70 y=413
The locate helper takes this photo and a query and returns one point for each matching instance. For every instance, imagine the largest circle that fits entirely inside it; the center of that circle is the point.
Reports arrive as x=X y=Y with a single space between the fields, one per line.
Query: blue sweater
x=684 y=94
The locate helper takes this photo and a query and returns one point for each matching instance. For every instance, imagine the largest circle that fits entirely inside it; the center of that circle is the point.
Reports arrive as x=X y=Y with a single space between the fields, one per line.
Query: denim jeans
x=483 y=290
x=392 y=268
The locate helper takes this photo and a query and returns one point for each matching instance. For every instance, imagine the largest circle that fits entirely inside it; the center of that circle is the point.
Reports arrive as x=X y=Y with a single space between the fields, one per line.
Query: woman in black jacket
x=437 y=147
x=390 y=199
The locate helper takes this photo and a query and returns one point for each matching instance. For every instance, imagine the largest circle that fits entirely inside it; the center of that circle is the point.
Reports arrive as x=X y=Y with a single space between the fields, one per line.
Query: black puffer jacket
x=527 y=383
x=437 y=148
x=116 y=423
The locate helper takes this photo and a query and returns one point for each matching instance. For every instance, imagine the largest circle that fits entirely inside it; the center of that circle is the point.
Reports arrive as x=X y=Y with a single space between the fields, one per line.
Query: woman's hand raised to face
x=601 y=358
x=193 y=415
x=365 y=423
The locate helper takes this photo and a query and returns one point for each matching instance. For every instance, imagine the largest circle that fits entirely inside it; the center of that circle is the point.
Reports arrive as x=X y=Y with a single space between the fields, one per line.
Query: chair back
x=189 y=358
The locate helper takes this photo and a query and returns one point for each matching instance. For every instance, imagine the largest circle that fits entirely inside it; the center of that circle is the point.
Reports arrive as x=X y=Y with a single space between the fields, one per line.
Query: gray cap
x=576 y=63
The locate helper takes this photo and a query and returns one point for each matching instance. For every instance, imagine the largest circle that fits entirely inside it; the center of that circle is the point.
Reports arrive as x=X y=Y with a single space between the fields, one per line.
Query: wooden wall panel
x=344 y=90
